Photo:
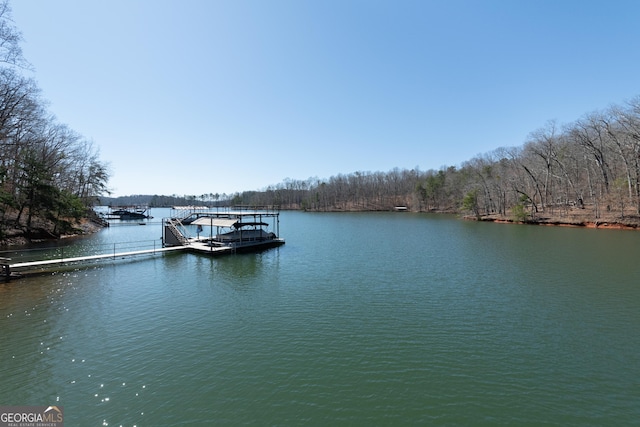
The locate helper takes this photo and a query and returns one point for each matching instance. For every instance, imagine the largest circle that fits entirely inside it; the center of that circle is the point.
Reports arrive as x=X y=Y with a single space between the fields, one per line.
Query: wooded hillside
x=588 y=170
x=49 y=174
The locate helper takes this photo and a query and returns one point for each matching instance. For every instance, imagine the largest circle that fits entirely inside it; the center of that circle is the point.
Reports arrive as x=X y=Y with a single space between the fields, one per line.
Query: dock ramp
x=173 y=233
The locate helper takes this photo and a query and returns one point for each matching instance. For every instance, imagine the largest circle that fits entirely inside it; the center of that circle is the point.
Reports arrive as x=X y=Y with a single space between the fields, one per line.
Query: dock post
x=6 y=267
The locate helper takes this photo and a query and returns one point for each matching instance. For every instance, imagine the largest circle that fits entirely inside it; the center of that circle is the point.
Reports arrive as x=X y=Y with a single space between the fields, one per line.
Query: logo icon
x=33 y=416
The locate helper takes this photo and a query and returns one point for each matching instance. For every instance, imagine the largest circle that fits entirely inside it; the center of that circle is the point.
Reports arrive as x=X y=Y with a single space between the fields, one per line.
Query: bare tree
x=10 y=38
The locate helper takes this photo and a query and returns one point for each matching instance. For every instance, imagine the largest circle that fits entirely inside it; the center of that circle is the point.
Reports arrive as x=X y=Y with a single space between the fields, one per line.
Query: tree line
x=591 y=165
x=49 y=174
x=155 y=200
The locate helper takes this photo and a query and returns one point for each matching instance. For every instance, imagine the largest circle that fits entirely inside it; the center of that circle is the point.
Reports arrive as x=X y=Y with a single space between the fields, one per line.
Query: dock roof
x=218 y=222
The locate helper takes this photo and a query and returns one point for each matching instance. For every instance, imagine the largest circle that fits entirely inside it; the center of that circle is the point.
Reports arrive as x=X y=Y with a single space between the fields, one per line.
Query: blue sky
x=207 y=96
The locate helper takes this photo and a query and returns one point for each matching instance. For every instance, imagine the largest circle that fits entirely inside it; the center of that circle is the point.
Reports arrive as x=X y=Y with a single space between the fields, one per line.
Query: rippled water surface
x=360 y=319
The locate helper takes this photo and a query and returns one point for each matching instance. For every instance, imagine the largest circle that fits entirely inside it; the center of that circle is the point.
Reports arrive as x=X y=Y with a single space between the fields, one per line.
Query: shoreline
x=631 y=222
x=16 y=237
x=605 y=224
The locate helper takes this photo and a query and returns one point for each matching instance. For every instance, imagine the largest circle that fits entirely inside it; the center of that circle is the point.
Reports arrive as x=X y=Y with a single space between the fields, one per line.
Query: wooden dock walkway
x=193 y=245
x=92 y=257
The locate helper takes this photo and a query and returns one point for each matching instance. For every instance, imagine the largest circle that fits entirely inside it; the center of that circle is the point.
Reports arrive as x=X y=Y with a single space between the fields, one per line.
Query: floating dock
x=92 y=257
x=223 y=231
x=244 y=237
x=9 y=269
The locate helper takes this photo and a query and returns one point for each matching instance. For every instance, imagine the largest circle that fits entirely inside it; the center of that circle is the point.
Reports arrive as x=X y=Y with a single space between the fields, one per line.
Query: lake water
x=360 y=319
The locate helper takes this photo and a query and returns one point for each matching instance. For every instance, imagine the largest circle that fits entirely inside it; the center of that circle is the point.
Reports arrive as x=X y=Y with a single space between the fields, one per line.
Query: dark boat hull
x=258 y=246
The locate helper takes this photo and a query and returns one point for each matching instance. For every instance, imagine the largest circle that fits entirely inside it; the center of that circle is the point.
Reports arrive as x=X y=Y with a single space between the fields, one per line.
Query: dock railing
x=73 y=251
x=257 y=208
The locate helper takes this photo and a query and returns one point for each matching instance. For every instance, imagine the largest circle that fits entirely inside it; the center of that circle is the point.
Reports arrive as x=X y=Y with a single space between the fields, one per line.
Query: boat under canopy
x=128 y=212
x=235 y=231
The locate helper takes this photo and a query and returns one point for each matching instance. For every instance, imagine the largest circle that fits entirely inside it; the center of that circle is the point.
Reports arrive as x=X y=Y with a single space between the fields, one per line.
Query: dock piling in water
x=6 y=267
